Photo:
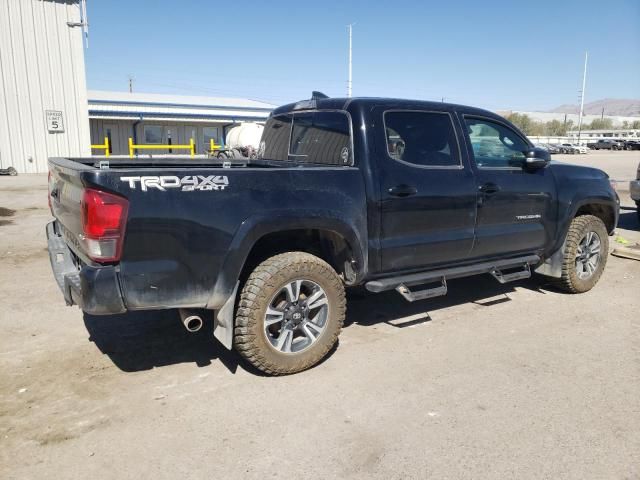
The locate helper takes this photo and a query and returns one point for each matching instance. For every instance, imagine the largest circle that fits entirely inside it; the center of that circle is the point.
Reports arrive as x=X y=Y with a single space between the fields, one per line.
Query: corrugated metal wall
x=121 y=130
x=41 y=68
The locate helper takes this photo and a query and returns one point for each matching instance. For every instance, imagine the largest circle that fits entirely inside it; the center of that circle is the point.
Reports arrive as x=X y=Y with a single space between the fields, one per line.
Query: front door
x=427 y=190
x=516 y=207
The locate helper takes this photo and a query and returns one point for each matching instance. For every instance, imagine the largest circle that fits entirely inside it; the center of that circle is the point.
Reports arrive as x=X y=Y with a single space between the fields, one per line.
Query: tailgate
x=65 y=195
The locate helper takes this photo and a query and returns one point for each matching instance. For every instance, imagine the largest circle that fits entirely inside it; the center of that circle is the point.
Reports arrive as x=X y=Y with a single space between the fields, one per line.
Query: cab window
x=320 y=137
x=308 y=137
x=274 y=144
x=495 y=145
x=425 y=139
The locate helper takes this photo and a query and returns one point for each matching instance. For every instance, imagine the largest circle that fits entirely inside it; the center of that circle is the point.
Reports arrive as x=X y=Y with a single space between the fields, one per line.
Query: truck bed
x=190 y=221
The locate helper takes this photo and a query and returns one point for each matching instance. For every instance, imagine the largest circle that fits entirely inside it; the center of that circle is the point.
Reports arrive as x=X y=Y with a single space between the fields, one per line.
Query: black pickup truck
x=607 y=145
x=382 y=193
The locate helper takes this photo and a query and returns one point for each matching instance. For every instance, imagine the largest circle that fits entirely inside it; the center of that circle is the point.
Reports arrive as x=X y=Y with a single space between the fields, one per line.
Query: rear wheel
x=291 y=310
x=585 y=256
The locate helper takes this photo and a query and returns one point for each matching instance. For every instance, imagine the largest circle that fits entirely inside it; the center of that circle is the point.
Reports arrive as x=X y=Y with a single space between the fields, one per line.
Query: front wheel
x=585 y=255
x=290 y=313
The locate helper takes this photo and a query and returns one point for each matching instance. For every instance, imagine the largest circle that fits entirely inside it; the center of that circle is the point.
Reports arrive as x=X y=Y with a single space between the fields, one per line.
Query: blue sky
x=514 y=54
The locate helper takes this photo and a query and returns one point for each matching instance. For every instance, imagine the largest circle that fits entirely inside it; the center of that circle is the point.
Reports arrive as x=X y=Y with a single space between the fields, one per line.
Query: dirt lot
x=513 y=381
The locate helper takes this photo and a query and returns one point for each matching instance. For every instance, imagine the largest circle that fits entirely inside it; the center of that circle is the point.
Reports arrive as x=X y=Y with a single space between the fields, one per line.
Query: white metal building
x=609 y=133
x=43 y=99
x=167 y=119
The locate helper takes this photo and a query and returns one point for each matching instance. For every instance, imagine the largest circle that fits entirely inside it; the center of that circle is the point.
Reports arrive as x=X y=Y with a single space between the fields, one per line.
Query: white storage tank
x=244 y=135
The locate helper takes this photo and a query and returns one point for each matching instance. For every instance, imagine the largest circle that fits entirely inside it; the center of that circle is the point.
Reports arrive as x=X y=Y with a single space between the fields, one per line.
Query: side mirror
x=536 y=158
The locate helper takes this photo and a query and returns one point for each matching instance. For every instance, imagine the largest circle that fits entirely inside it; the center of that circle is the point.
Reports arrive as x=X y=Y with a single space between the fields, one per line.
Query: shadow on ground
x=390 y=308
x=140 y=341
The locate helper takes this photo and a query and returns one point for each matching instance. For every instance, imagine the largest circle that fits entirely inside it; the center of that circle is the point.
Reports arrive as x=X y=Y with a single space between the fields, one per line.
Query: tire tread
x=253 y=300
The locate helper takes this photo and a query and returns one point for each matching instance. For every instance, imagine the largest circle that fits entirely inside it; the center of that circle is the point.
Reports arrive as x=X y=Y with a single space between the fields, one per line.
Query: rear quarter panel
x=186 y=248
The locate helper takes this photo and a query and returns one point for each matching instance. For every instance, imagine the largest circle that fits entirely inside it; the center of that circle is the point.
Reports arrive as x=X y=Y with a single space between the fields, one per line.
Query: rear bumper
x=634 y=190
x=95 y=290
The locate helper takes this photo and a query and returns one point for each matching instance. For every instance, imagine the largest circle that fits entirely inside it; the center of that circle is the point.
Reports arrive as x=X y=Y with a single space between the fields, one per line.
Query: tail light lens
x=104 y=218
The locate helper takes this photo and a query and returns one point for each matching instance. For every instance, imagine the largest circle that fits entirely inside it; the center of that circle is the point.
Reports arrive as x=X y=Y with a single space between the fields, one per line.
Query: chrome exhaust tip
x=191 y=320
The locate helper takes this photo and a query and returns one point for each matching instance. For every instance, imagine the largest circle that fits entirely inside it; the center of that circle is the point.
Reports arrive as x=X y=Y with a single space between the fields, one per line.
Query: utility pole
x=584 y=84
x=350 y=81
x=130 y=84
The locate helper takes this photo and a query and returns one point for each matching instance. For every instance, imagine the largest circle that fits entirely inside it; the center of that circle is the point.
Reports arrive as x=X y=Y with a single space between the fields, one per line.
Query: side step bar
x=512 y=276
x=423 y=294
x=403 y=283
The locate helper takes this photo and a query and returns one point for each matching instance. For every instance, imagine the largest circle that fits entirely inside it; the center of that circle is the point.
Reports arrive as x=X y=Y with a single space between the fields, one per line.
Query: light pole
x=584 y=84
x=350 y=81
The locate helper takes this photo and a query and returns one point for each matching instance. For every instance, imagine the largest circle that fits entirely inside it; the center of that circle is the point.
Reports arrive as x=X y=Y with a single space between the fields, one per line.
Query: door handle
x=403 y=191
x=489 y=188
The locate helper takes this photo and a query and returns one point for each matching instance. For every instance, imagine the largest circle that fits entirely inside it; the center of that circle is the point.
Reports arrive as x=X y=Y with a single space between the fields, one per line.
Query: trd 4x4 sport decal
x=190 y=183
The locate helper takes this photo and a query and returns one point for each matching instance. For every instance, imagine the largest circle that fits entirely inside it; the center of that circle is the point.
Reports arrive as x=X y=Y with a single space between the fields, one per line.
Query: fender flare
x=254 y=228
x=552 y=265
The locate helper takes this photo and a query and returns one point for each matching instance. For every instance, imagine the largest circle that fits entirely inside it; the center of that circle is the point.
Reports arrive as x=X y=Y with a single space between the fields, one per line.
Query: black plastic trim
x=95 y=290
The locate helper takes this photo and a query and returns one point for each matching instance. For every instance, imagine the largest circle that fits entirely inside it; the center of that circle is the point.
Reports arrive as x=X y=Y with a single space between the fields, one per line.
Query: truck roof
x=341 y=103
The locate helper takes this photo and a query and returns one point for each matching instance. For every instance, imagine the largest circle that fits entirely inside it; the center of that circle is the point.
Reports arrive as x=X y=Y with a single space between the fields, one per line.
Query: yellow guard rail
x=104 y=146
x=191 y=147
x=213 y=146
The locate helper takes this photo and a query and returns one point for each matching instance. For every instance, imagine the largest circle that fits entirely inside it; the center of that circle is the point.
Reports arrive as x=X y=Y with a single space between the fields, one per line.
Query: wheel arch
x=605 y=211
x=600 y=207
x=324 y=234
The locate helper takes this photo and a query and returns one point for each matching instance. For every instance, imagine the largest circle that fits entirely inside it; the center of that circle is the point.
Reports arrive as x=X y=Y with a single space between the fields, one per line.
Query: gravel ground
x=491 y=381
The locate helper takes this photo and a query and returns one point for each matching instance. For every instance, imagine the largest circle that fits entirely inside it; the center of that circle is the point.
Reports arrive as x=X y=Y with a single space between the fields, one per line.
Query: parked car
x=606 y=144
x=267 y=246
x=632 y=145
x=574 y=148
x=634 y=191
x=553 y=149
x=569 y=148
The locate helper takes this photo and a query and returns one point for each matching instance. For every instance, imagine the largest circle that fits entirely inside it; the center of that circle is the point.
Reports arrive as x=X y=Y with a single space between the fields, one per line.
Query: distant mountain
x=612 y=106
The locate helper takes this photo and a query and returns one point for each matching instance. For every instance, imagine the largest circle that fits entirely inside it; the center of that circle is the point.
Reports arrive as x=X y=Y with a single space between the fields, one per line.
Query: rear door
x=427 y=190
x=516 y=207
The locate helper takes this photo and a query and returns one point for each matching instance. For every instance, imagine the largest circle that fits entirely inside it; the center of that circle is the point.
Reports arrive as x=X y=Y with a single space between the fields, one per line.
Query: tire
x=575 y=277
x=638 y=211
x=266 y=290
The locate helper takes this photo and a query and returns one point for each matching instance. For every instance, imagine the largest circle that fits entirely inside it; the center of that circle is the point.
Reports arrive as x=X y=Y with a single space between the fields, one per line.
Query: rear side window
x=308 y=137
x=426 y=139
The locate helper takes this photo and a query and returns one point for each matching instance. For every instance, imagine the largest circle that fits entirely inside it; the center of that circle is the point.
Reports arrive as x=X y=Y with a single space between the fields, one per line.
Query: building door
x=208 y=134
x=111 y=133
x=191 y=131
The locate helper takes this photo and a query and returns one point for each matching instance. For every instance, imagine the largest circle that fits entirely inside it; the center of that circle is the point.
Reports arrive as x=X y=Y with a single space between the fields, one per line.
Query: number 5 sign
x=54 y=121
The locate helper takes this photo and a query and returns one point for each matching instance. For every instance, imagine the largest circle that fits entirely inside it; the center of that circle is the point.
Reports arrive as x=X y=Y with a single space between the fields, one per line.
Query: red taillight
x=104 y=217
